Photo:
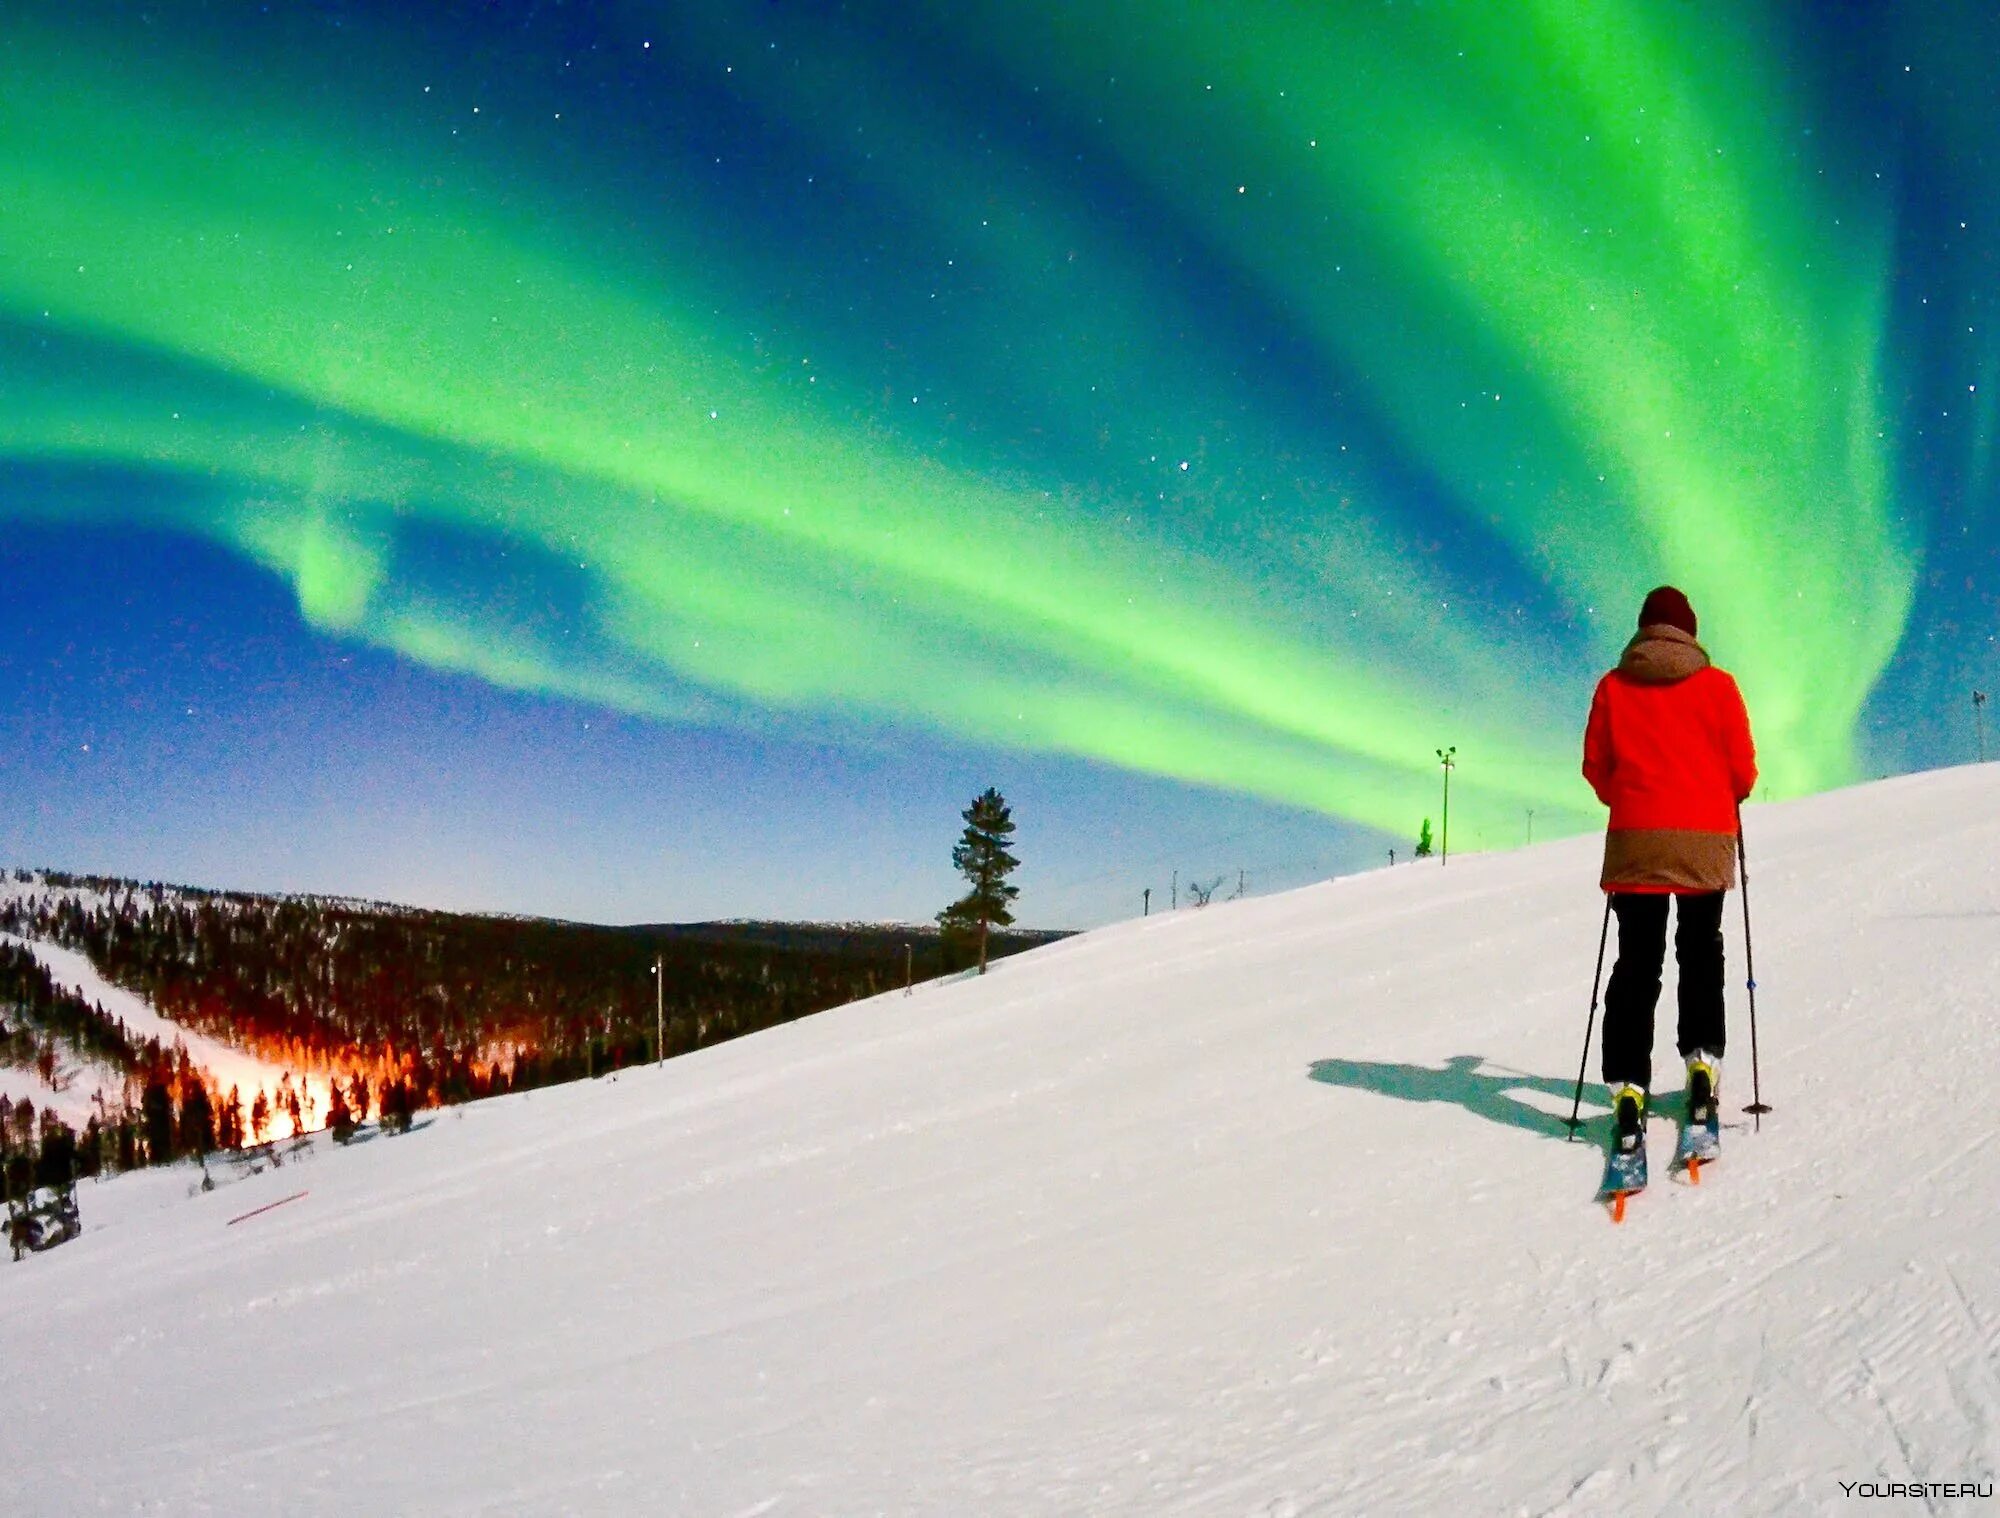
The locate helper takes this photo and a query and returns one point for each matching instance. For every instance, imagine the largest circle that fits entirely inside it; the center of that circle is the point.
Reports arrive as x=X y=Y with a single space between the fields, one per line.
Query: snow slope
x=72 y=971
x=84 y=1080
x=1257 y=1210
x=73 y=1097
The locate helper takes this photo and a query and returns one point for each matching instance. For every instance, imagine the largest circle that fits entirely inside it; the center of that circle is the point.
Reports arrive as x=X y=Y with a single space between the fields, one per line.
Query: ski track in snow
x=1263 y=1209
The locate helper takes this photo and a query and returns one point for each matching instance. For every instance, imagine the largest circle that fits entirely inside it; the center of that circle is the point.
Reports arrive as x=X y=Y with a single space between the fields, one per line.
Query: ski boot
x=1701 y=1126
x=1625 y=1165
x=1628 y=1119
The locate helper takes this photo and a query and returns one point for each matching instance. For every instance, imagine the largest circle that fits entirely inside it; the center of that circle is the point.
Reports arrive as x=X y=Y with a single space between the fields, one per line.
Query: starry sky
x=636 y=462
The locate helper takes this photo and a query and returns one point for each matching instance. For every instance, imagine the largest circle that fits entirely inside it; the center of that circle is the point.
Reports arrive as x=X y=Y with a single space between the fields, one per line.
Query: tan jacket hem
x=1668 y=859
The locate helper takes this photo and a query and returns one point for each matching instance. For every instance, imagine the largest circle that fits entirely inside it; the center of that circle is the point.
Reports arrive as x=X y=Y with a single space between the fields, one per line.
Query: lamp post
x=1979 y=721
x=659 y=1009
x=1444 y=843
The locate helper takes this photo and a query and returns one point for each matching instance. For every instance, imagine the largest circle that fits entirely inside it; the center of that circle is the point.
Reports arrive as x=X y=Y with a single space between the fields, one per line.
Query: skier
x=1668 y=749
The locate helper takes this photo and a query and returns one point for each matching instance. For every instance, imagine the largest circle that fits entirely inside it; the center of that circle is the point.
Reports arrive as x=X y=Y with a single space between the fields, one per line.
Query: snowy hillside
x=1263 y=1209
x=74 y=972
x=85 y=1087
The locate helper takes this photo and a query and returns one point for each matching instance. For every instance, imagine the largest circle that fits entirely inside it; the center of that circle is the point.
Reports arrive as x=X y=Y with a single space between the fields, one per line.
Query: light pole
x=659 y=1009
x=1531 y=827
x=1444 y=843
x=1979 y=721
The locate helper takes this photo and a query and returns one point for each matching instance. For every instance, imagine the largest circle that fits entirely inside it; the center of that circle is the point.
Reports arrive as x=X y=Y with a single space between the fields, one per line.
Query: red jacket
x=1668 y=749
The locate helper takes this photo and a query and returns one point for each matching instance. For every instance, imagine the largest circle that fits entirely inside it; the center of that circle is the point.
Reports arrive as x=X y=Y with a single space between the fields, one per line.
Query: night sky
x=641 y=462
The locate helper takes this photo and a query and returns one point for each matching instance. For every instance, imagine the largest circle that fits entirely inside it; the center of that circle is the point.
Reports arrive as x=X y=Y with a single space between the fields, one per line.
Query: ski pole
x=1757 y=1108
x=1590 y=1027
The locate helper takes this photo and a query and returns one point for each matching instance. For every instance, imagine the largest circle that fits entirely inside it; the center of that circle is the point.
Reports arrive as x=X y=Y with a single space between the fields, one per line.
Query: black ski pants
x=1635 y=980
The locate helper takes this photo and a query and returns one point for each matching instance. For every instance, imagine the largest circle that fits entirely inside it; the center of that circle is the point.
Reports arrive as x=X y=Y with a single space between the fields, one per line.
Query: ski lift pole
x=1590 y=1027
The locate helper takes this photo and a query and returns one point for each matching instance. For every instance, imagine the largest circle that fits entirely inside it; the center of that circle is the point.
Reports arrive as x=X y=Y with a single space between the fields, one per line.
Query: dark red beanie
x=1667 y=606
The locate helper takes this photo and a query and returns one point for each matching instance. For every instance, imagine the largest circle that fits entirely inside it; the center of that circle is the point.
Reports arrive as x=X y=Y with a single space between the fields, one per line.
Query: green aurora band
x=1573 y=270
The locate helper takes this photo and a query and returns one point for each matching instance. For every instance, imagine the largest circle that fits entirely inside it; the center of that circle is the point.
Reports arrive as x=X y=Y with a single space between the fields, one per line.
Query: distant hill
x=866 y=939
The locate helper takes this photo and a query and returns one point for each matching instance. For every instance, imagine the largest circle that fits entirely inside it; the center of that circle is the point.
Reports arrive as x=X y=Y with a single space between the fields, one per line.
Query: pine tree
x=156 y=1107
x=196 y=1128
x=981 y=857
x=397 y=1104
x=55 y=1166
x=339 y=1119
x=1424 y=841
x=90 y=1149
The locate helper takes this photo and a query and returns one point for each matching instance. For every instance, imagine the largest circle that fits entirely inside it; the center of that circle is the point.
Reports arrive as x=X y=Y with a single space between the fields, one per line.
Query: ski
x=1624 y=1176
x=1700 y=1142
x=1701 y=1123
x=1625 y=1160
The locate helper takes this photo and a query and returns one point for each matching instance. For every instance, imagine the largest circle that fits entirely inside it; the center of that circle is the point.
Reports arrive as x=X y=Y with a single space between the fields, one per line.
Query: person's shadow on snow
x=1491 y=1095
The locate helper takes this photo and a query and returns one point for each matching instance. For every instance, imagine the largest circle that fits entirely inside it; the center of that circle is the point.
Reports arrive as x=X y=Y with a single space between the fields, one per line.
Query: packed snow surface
x=1261 y=1209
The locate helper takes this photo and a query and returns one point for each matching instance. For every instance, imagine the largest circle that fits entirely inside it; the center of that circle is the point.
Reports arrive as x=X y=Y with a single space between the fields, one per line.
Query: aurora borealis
x=1251 y=398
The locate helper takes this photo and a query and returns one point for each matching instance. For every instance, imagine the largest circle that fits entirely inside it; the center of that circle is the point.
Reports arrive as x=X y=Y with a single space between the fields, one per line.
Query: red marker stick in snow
x=265 y=1208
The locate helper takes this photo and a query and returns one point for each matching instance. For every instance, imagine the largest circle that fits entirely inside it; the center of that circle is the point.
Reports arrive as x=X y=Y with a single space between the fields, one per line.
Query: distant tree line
x=163 y=1108
x=397 y=1010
